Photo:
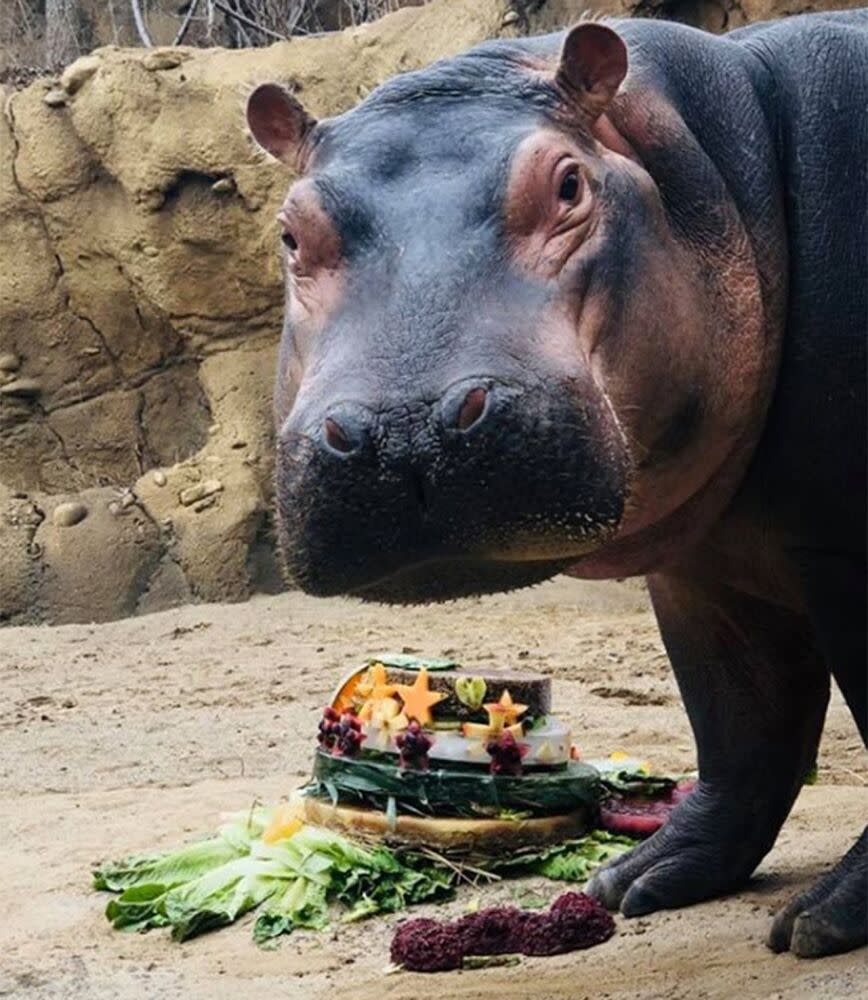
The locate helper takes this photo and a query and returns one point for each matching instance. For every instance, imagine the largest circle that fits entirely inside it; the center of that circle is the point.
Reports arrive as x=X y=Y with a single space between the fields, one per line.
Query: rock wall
x=140 y=304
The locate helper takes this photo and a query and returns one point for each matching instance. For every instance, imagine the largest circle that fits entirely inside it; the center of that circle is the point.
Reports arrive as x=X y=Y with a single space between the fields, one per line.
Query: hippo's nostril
x=472 y=408
x=346 y=431
x=336 y=438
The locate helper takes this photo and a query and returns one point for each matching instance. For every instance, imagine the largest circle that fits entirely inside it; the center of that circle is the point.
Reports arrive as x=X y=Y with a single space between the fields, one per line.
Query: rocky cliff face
x=140 y=305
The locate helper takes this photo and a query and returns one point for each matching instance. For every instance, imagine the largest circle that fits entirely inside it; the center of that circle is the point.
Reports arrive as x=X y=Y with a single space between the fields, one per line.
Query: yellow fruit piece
x=374 y=687
x=617 y=756
x=388 y=716
x=481 y=731
x=284 y=823
x=506 y=710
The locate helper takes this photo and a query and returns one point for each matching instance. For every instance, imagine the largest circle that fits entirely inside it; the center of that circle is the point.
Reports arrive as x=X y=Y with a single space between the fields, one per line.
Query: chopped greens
x=570 y=861
x=306 y=878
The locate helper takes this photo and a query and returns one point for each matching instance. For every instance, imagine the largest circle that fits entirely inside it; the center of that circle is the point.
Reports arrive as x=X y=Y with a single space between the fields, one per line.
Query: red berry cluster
x=340 y=734
x=506 y=754
x=573 y=921
x=413 y=745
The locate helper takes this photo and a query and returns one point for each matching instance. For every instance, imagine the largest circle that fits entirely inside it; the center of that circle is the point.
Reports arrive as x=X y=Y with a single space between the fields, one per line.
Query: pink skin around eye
x=314 y=267
x=545 y=229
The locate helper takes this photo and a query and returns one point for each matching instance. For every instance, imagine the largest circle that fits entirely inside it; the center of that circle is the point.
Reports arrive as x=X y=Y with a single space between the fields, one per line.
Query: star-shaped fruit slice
x=418 y=699
x=375 y=688
x=388 y=716
x=507 y=709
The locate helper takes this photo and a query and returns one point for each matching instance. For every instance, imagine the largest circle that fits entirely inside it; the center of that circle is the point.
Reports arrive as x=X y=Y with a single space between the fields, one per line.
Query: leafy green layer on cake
x=372 y=780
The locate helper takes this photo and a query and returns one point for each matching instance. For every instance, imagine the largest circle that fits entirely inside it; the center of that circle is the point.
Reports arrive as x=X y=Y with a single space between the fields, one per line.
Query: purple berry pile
x=572 y=922
x=506 y=754
x=340 y=734
x=413 y=745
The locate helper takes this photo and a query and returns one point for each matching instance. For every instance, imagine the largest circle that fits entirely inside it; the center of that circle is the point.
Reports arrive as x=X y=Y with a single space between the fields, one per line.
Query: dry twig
x=243 y=19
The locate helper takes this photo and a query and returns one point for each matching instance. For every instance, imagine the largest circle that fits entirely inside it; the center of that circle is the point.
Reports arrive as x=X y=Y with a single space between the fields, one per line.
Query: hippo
x=595 y=303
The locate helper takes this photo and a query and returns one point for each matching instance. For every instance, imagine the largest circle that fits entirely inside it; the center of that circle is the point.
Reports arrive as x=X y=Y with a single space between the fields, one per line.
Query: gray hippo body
x=596 y=303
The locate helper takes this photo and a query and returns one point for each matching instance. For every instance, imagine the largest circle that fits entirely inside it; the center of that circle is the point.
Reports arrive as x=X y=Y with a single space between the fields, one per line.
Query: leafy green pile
x=213 y=882
x=298 y=881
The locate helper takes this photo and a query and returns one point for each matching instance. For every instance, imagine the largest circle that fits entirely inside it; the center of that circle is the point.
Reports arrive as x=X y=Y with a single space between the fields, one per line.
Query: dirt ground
x=140 y=733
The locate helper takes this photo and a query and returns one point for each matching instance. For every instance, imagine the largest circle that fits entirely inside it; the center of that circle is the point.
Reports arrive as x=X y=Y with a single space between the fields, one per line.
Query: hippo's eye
x=289 y=241
x=569 y=186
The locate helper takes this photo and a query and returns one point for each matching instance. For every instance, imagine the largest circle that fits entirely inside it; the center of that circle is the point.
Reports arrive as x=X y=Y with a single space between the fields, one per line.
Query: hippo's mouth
x=450 y=579
x=424 y=573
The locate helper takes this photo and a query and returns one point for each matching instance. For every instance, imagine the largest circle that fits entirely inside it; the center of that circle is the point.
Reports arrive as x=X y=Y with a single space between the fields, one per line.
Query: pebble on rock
x=55 y=98
x=9 y=362
x=78 y=73
x=68 y=514
x=168 y=58
x=160 y=478
x=198 y=492
x=21 y=387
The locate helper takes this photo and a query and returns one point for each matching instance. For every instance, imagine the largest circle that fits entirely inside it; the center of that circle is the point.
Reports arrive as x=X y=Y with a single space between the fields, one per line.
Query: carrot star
x=418 y=699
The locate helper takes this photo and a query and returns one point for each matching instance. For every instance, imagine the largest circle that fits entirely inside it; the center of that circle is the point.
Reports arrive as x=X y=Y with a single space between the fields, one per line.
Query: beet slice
x=635 y=816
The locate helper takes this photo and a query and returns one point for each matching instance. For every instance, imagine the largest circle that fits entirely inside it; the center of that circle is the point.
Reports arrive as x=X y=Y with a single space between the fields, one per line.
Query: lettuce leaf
x=212 y=883
x=297 y=903
x=233 y=840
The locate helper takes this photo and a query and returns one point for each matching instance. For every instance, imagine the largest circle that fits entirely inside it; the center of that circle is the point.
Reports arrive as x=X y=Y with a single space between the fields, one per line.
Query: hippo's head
x=481 y=283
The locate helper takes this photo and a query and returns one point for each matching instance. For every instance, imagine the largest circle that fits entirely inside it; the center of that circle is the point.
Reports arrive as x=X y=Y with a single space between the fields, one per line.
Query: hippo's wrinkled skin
x=547 y=313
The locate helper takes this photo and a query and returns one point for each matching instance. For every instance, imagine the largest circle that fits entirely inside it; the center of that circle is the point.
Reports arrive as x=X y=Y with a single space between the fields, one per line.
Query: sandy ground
x=138 y=734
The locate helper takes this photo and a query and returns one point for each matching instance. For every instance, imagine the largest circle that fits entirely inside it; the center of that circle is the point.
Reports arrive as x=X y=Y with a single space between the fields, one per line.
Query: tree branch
x=229 y=12
x=188 y=17
x=140 y=24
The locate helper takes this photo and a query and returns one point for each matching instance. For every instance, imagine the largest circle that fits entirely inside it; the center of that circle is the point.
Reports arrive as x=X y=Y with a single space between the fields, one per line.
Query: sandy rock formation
x=140 y=305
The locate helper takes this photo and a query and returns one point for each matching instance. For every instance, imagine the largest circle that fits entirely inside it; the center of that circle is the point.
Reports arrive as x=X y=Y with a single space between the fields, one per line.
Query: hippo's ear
x=278 y=122
x=593 y=64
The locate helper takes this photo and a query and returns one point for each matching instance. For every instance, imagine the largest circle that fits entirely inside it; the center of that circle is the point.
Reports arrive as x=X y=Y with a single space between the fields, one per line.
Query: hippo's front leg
x=756 y=692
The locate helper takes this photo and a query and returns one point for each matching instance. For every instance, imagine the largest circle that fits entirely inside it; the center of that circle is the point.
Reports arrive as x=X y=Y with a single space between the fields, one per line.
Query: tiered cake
x=427 y=752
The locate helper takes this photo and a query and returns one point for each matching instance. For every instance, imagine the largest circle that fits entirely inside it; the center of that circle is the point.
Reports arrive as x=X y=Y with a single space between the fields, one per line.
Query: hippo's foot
x=832 y=916
x=700 y=853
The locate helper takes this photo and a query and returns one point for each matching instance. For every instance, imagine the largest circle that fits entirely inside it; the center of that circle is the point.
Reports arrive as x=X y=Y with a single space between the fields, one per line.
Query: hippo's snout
x=438 y=498
x=350 y=426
